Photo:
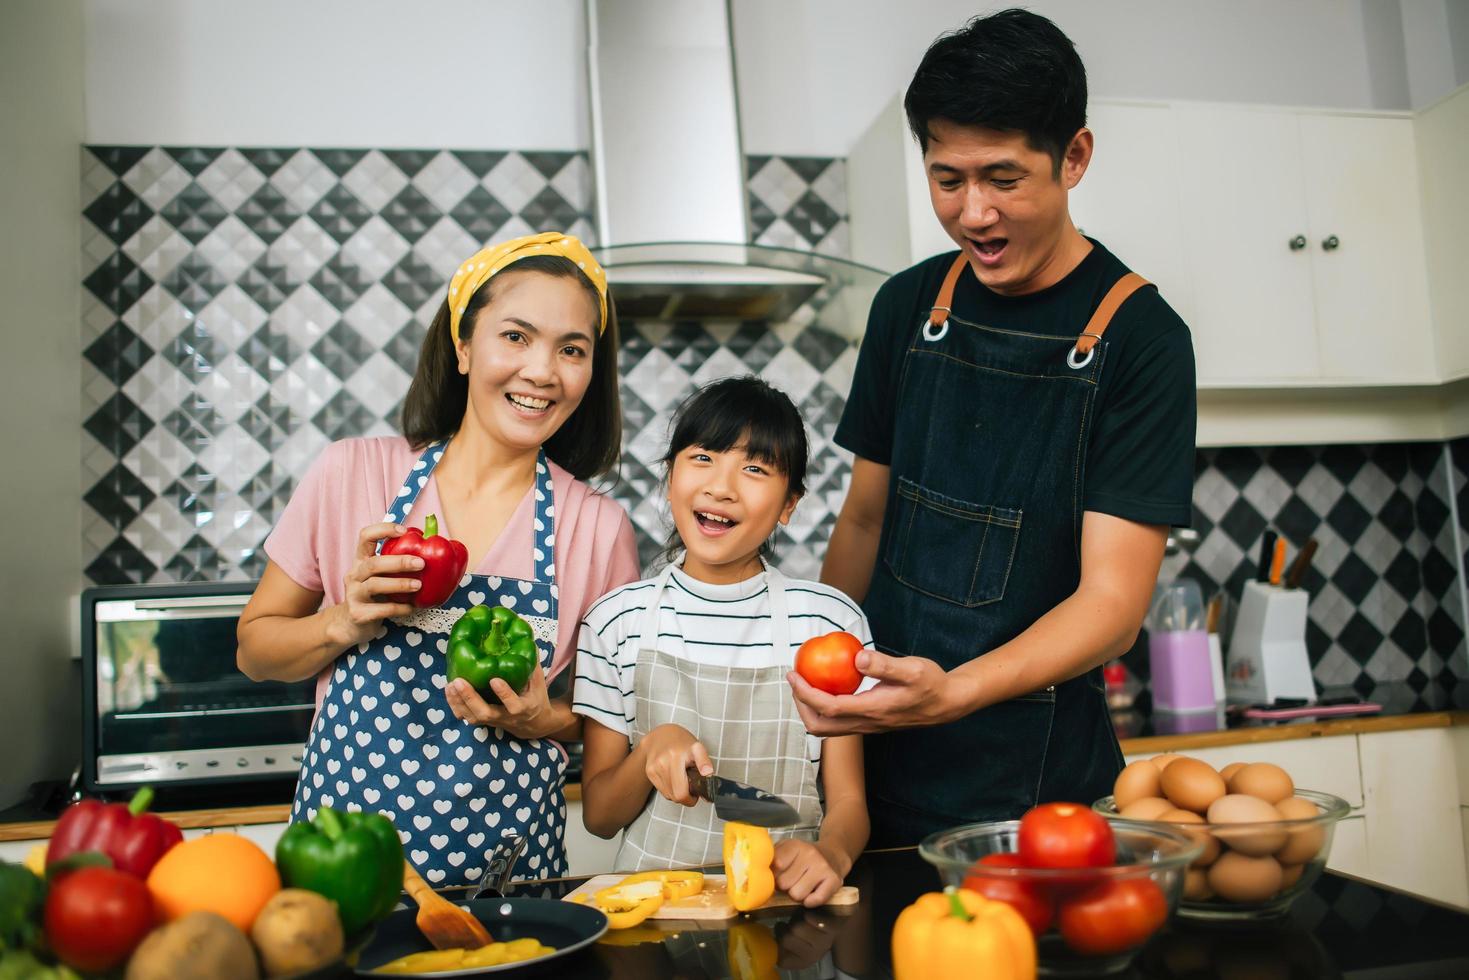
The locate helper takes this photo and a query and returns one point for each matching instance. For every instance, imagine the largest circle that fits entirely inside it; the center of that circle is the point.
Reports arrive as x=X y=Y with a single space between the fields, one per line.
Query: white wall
x=381 y=73
x=814 y=73
x=40 y=385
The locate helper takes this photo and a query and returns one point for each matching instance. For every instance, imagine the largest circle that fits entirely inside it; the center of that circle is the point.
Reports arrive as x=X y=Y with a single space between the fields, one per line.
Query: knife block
x=1267 y=654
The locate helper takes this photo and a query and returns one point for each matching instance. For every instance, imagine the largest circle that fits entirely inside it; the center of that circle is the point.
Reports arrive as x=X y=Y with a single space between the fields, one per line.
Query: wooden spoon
x=444 y=924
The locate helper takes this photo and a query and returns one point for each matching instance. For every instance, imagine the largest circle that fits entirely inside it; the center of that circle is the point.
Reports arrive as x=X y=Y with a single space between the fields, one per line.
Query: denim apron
x=385 y=739
x=983 y=538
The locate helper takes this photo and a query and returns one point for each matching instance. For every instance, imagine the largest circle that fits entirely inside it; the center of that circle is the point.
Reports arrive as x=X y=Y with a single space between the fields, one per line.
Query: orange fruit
x=223 y=873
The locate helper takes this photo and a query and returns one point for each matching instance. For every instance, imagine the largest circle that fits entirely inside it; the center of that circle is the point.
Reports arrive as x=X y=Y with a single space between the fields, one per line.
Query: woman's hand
x=528 y=715
x=361 y=612
x=669 y=750
x=807 y=872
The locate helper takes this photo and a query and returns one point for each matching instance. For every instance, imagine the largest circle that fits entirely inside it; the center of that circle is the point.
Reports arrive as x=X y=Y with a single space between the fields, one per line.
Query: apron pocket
x=951 y=549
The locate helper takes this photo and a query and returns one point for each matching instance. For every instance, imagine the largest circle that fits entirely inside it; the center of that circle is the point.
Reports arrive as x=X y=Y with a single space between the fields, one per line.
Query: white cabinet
x=1442 y=132
x=1305 y=246
x=1128 y=199
x=1242 y=202
x=586 y=854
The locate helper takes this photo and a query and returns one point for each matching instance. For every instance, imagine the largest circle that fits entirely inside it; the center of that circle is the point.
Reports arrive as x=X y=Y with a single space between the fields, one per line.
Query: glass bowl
x=1148 y=855
x=1266 y=865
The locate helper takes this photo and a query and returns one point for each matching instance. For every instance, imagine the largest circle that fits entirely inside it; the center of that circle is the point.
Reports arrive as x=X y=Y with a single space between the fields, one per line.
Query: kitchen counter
x=1140 y=732
x=1342 y=926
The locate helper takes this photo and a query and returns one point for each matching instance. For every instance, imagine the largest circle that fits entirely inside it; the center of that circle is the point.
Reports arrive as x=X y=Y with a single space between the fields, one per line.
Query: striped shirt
x=728 y=625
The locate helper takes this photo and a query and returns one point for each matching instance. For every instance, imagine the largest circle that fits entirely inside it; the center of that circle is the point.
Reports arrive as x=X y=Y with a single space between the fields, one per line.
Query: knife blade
x=734 y=800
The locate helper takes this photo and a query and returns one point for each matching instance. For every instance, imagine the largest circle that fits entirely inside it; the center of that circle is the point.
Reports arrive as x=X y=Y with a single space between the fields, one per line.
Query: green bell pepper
x=21 y=895
x=488 y=642
x=354 y=859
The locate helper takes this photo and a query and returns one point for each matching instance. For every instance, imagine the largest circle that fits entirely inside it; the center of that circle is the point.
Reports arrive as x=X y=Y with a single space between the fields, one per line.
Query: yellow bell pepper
x=960 y=933
x=676 y=884
x=753 y=952
x=748 y=853
x=628 y=905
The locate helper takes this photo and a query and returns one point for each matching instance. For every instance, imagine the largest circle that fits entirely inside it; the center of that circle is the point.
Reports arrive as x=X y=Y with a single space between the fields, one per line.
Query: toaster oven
x=164 y=703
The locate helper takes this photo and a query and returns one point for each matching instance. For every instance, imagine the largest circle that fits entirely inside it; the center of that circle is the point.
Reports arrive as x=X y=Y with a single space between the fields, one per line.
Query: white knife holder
x=1267 y=653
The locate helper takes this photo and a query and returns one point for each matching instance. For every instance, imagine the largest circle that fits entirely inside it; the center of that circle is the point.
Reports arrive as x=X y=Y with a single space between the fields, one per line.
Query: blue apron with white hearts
x=385 y=740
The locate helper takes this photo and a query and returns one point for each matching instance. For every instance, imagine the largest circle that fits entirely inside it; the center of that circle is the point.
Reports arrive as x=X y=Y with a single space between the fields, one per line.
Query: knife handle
x=699 y=784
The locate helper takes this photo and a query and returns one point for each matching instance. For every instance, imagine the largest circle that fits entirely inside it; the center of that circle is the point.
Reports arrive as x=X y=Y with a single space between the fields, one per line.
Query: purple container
x=1181 y=676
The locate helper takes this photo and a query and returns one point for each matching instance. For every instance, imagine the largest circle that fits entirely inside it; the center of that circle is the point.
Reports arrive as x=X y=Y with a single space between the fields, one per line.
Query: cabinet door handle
x=1330 y=243
x=1298 y=243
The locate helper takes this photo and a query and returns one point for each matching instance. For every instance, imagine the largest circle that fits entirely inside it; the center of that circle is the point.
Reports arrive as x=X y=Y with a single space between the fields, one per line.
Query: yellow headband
x=475 y=272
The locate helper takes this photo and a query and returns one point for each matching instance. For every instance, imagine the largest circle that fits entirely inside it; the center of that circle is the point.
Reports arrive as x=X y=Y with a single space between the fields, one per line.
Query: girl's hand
x=807 y=872
x=361 y=612
x=527 y=715
x=669 y=751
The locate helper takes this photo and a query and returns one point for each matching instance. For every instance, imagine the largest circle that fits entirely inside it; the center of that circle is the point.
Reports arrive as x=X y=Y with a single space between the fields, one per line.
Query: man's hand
x=912 y=692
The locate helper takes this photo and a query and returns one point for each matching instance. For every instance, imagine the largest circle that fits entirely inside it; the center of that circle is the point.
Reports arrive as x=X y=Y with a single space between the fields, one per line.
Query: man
x=1022 y=417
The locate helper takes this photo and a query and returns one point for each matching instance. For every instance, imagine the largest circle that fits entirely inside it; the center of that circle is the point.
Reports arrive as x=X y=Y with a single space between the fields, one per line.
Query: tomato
x=829 y=663
x=1065 y=835
x=1113 y=916
x=95 y=917
x=1026 y=897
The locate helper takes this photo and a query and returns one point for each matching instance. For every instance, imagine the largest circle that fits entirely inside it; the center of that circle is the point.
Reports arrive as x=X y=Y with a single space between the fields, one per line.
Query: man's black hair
x=1013 y=71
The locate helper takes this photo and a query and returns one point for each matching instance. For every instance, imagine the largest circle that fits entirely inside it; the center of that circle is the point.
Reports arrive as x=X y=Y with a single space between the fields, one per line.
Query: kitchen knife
x=1267 y=553
x=736 y=801
x=1277 y=562
x=1300 y=565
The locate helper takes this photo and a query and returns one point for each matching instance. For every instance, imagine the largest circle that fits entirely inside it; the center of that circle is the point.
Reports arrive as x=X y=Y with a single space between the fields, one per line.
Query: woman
x=513 y=405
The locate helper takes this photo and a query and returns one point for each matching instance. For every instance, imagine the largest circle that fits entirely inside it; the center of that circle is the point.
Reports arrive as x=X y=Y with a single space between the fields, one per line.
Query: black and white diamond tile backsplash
x=244 y=306
x=1386 y=584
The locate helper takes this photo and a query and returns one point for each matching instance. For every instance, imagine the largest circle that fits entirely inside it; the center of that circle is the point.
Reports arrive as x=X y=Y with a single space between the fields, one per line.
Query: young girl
x=514 y=404
x=688 y=669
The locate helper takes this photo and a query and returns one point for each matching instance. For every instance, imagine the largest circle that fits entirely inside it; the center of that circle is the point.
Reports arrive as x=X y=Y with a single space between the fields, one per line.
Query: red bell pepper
x=444 y=562
x=132 y=839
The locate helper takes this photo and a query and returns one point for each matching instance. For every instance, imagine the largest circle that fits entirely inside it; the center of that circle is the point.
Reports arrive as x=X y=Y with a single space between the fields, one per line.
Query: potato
x=297 y=931
x=199 y=946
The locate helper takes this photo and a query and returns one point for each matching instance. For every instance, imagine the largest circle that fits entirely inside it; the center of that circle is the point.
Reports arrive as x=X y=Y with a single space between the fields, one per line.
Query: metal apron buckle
x=1071 y=360
x=934 y=334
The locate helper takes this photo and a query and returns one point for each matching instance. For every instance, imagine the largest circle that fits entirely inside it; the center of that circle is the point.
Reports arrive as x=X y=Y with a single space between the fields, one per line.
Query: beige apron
x=746 y=718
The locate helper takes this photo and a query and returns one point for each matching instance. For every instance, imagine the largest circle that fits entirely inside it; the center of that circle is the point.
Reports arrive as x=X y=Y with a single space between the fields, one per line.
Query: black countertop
x=1342 y=927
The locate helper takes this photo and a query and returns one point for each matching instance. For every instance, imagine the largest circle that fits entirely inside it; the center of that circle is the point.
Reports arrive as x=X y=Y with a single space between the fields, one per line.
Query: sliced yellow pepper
x=627 y=907
x=748 y=854
x=957 y=933
x=676 y=884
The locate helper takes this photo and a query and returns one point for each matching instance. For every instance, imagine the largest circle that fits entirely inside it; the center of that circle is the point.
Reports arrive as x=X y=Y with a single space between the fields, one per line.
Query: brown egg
x=1138 y=780
x=1161 y=761
x=1303 y=843
x=1227 y=773
x=1290 y=874
x=1242 y=878
x=1230 y=817
x=1191 y=785
x=1211 y=846
x=1196 y=885
x=1146 y=808
x=1261 y=779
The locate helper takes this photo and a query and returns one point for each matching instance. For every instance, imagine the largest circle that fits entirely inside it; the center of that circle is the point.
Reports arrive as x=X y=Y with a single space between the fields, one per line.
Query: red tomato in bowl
x=1026 y=897
x=1113 y=916
x=1066 y=835
x=829 y=662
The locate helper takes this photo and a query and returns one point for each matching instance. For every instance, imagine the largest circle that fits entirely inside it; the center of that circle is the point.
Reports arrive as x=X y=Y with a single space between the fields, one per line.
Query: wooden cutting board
x=710 y=904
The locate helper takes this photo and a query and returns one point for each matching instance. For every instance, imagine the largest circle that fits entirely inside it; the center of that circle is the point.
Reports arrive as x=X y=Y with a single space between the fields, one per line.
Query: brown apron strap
x=1097 y=325
x=945 y=301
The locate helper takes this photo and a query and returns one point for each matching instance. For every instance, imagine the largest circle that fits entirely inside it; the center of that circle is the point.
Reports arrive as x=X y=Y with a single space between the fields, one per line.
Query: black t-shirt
x=1140 y=455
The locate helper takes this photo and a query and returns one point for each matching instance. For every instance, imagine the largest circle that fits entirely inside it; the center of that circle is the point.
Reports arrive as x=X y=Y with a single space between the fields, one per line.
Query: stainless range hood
x=669 y=169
